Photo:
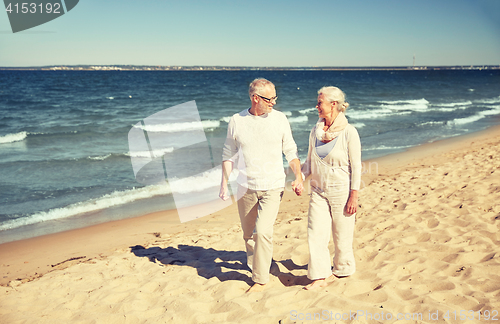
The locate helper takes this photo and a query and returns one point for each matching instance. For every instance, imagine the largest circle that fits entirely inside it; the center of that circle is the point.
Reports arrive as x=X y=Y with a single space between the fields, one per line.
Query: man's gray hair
x=257 y=85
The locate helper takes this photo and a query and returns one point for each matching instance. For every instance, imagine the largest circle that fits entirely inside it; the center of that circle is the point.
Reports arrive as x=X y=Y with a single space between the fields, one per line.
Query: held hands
x=298 y=186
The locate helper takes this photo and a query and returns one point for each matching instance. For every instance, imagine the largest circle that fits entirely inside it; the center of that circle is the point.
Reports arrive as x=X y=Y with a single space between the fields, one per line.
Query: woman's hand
x=352 y=203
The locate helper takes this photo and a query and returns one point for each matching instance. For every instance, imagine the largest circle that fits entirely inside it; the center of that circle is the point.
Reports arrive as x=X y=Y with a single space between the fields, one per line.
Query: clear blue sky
x=261 y=33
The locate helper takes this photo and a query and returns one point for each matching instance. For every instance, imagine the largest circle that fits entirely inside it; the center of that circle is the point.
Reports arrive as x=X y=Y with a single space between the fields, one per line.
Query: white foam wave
x=490 y=101
x=300 y=119
x=307 y=111
x=358 y=125
x=399 y=102
x=432 y=123
x=180 y=127
x=226 y=119
x=476 y=117
x=287 y=113
x=99 y=158
x=147 y=154
x=461 y=105
x=11 y=138
x=466 y=120
x=383 y=147
x=114 y=199
x=198 y=182
x=369 y=114
x=418 y=105
x=446 y=109
x=210 y=123
x=452 y=106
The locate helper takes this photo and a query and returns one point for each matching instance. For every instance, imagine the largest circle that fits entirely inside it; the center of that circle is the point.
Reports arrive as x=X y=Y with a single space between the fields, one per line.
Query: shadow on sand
x=209 y=263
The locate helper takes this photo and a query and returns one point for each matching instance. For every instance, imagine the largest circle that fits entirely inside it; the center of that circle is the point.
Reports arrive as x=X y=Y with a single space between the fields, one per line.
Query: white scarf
x=333 y=131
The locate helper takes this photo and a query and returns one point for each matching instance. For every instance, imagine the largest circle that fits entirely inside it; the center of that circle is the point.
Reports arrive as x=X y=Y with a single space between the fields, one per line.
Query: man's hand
x=227 y=168
x=224 y=192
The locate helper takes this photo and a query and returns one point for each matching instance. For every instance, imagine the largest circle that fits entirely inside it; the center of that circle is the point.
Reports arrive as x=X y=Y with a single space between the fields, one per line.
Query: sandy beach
x=427 y=247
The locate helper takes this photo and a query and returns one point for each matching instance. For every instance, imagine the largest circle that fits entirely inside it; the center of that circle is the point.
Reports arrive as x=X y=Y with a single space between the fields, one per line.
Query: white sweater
x=258 y=144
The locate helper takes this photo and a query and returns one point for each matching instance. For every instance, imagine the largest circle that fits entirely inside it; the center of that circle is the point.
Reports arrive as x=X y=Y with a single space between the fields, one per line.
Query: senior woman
x=334 y=163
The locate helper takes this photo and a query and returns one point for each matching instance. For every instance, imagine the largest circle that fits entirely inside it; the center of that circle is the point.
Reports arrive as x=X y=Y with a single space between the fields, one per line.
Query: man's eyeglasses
x=268 y=99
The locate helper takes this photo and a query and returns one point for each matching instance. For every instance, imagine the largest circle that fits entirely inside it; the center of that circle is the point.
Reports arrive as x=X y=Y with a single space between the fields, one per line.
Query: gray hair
x=257 y=85
x=335 y=94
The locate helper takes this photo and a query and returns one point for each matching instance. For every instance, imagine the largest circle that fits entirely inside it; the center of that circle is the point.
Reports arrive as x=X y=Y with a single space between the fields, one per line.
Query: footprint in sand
x=432 y=223
x=406 y=294
x=443 y=285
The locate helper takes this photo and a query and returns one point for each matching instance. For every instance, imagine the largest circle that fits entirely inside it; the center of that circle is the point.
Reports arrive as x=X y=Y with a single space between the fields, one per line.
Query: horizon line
x=252 y=66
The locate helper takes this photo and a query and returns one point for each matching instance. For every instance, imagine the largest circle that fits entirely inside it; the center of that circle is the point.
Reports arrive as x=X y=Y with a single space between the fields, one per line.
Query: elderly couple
x=256 y=139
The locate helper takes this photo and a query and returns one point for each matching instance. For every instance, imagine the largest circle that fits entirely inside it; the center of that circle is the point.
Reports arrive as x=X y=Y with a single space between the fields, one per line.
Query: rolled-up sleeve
x=354 y=150
x=230 y=146
x=289 y=146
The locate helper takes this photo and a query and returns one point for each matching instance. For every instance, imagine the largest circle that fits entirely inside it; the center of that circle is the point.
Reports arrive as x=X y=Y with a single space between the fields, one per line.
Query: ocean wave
x=99 y=158
x=147 y=154
x=226 y=119
x=476 y=117
x=307 y=111
x=196 y=183
x=493 y=101
x=432 y=123
x=300 y=119
x=110 y=200
x=358 y=125
x=465 y=120
x=399 y=102
x=11 y=138
x=199 y=182
x=66 y=159
x=179 y=127
x=418 y=105
x=447 y=109
x=462 y=105
x=383 y=147
x=374 y=113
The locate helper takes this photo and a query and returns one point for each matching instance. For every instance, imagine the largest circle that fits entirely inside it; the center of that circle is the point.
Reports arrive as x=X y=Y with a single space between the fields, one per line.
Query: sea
x=66 y=161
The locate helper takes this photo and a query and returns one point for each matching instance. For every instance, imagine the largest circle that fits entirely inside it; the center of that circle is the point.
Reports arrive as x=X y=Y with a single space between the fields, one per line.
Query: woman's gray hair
x=335 y=94
x=257 y=85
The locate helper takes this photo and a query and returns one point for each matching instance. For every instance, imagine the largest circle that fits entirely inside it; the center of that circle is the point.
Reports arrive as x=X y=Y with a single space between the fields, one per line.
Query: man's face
x=264 y=105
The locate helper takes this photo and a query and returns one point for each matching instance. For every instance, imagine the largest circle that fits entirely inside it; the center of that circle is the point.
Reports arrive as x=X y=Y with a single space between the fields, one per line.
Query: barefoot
x=320 y=283
x=256 y=287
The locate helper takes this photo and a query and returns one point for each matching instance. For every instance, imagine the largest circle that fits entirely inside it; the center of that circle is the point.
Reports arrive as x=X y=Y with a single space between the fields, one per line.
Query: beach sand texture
x=427 y=242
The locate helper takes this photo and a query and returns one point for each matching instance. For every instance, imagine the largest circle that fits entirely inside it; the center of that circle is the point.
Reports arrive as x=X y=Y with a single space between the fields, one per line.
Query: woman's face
x=325 y=107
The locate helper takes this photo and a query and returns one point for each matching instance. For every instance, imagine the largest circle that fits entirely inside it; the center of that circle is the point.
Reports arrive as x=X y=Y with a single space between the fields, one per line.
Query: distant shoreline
x=242 y=68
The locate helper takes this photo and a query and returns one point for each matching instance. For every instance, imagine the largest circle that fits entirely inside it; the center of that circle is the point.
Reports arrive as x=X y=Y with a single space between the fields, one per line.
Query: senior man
x=257 y=138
